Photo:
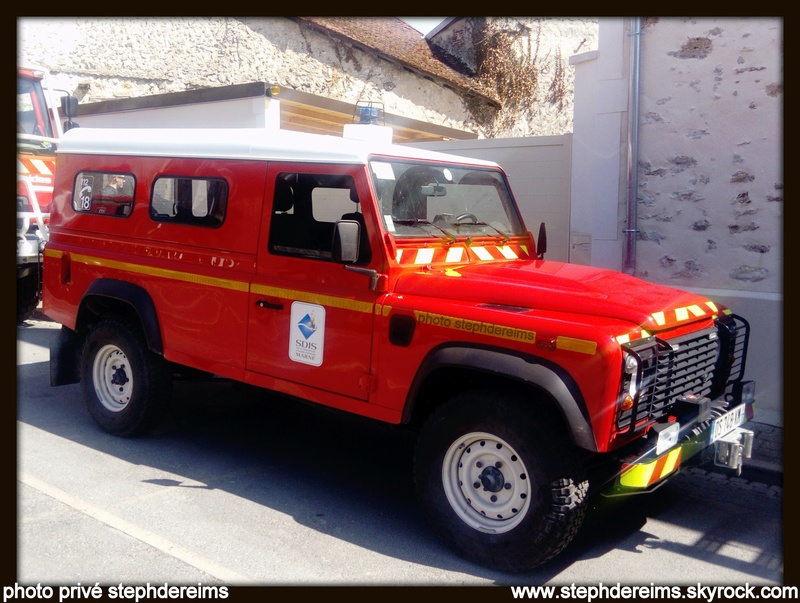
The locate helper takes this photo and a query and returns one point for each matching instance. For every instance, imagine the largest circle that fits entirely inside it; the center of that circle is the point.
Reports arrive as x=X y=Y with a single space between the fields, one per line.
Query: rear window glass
x=104 y=193
x=184 y=200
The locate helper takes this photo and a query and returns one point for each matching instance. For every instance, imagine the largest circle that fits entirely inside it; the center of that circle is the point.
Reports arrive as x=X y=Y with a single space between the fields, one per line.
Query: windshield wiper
x=409 y=221
x=406 y=221
x=503 y=235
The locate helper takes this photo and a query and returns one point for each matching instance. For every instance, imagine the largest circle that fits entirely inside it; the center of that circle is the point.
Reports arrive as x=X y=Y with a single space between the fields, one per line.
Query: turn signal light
x=627 y=402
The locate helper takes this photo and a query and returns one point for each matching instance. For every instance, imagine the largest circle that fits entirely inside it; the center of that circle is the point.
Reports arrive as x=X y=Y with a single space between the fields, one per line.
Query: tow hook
x=731 y=449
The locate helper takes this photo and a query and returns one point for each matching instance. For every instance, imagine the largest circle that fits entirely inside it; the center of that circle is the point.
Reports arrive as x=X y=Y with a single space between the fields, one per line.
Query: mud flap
x=64 y=358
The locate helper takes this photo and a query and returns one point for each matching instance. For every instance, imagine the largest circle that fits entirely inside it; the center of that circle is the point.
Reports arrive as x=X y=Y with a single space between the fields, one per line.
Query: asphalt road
x=239 y=488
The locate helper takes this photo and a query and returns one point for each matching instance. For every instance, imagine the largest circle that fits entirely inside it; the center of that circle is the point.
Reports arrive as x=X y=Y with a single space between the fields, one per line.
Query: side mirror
x=69 y=108
x=541 y=242
x=346 y=239
x=69 y=105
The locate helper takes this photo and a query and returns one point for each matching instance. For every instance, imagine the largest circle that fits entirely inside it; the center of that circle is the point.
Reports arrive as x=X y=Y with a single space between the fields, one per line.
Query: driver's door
x=311 y=321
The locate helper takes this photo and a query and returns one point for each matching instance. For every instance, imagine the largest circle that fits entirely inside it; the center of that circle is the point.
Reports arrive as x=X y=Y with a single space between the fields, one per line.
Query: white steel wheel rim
x=113 y=379
x=486 y=483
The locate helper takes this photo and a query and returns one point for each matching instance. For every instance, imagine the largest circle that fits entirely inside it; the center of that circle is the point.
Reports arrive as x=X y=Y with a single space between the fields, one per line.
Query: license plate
x=727 y=422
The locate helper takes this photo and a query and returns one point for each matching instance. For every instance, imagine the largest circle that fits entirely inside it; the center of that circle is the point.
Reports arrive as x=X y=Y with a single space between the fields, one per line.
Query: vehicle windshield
x=32 y=113
x=419 y=199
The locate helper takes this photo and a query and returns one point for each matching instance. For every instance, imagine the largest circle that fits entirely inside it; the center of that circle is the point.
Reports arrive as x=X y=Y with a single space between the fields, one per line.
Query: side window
x=184 y=200
x=305 y=210
x=104 y=193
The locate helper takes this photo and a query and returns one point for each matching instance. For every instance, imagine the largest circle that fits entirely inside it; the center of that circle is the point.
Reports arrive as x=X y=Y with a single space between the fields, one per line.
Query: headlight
x=631 y=364
x=630 y=382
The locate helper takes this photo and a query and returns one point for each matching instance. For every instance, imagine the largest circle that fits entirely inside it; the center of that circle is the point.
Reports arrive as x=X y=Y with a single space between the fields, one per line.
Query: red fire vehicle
x=38 y=132
x=397 y=284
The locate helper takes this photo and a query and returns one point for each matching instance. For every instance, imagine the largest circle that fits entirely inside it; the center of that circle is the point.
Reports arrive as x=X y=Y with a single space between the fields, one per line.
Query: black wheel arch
x=103 y=297
x=502 y=368
x=105 y=294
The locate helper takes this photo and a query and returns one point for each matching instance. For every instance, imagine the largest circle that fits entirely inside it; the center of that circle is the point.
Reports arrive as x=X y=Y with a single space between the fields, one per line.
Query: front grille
x=701 y=363
x=734 y=332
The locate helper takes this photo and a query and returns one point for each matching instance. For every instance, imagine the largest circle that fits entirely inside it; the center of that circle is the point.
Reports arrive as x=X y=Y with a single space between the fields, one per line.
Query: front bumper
x=29 y=249
x=710 y=436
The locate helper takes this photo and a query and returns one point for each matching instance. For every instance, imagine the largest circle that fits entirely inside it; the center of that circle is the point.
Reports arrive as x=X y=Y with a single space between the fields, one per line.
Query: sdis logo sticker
x=307 y=333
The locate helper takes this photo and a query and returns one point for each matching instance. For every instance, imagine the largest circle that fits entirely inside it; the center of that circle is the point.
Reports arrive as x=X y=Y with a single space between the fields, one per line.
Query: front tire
x=126 y=387
x=496 y=484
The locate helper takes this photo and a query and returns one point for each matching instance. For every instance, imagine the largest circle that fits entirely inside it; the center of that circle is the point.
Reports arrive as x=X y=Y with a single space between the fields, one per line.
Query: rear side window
x=183 y=200
x=104 y=193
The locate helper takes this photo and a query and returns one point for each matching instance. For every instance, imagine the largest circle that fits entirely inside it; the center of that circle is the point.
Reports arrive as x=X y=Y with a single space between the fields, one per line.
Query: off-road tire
x=496 y=483
x=126 y=387
x=27 y=296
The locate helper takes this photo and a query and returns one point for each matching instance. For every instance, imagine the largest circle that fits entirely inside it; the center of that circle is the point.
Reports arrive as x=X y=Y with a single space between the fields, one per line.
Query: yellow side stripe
x=325 y=300
x=314 y=298
x=382 y=310
x=571 y=344
x=176 y=275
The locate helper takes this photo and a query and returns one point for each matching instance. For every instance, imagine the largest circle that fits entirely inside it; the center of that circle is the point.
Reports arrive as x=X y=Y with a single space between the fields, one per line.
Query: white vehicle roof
x=240 y=143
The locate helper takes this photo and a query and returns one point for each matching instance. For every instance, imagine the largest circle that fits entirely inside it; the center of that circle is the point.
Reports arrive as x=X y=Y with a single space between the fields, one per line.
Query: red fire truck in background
x=38 y=132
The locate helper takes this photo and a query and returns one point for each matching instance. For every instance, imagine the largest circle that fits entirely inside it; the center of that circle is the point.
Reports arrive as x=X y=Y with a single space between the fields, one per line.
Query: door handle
x=262 y=303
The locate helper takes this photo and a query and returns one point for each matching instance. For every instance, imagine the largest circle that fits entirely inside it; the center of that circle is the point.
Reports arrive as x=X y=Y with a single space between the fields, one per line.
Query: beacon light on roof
x=369 y=113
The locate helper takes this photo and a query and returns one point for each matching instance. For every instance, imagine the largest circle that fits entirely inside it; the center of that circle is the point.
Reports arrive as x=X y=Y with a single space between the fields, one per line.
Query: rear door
x=311 y=321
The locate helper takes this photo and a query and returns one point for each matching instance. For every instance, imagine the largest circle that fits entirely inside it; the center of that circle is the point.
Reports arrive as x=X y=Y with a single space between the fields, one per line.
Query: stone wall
x=543 y=46
x=710 y=157
x=710 y=168
x=106 y=58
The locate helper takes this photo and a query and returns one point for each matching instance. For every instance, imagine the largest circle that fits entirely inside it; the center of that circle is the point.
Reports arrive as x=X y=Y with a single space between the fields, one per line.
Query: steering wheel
x=467 y=216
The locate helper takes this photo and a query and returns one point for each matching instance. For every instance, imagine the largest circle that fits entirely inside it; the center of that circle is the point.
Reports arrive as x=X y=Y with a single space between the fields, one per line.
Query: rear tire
x=126 y=387
x=496 y=484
